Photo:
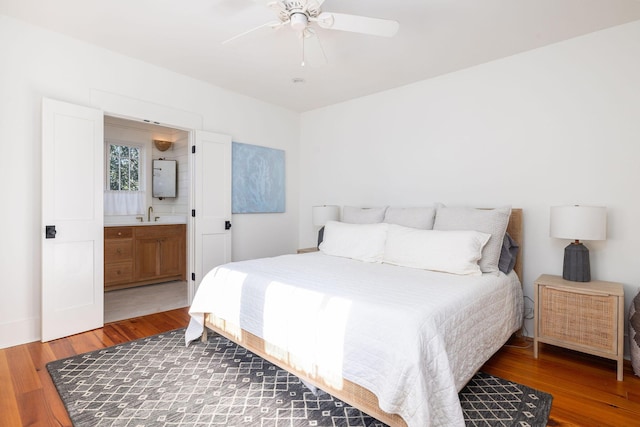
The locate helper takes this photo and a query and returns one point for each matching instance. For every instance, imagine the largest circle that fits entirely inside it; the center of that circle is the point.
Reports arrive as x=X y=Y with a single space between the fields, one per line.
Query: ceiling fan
x=300 y=15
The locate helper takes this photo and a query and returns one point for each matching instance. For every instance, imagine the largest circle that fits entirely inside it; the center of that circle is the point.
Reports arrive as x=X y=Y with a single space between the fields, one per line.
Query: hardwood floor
x=584 y=388
x=27 y=394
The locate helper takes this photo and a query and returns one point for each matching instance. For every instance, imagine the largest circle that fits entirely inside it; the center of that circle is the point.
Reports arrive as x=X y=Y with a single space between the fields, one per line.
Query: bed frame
x=515 y=231
x=351 y=393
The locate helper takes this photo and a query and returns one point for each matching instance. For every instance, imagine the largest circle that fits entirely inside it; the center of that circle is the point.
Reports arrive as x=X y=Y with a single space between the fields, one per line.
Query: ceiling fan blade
x=358 y=24
x=312 y=51
x=312 y=8
x=276 y=6
x=273 y=25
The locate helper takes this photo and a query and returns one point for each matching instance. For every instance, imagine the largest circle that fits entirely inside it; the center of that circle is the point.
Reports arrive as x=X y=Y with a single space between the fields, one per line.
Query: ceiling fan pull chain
x=302 y=63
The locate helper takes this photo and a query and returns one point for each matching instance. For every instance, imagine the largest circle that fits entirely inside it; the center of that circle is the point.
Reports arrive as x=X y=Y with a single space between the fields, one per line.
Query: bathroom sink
x=120 y=221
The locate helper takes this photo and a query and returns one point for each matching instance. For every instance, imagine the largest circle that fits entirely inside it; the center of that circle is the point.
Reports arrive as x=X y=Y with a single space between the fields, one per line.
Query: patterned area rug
x=157 y=381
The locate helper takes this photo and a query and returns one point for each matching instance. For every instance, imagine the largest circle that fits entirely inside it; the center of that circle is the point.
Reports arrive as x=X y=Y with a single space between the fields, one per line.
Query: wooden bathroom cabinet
x=142 y=255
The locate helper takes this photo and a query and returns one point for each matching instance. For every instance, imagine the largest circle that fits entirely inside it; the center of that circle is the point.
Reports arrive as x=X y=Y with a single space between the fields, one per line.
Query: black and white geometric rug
x=491 y=401
x=157 y=381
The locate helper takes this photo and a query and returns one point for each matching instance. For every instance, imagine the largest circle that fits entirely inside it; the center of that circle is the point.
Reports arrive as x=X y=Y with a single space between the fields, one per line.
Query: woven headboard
x=515 y=231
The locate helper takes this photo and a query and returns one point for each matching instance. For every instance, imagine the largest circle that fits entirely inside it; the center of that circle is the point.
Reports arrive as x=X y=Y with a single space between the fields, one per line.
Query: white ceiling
x=435 y=37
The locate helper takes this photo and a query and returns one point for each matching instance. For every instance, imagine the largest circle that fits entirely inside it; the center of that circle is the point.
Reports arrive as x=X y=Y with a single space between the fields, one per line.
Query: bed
x=396 y=341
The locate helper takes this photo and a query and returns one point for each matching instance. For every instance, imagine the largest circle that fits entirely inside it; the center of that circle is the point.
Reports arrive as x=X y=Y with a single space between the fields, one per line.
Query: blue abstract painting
x=257 y=179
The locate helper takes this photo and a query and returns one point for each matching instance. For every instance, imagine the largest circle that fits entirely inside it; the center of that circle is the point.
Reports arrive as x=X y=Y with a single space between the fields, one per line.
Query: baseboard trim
x=20 y=332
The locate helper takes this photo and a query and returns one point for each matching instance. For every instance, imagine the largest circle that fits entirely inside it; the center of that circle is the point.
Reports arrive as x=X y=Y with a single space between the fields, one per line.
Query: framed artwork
x=258 y=179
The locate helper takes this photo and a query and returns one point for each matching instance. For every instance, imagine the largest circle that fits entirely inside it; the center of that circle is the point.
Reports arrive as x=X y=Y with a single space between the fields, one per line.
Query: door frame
x=143 y=111
x=107 y=104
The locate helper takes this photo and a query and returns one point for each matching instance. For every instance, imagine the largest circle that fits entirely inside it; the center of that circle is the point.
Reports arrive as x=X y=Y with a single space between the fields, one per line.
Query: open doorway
x=145 y=231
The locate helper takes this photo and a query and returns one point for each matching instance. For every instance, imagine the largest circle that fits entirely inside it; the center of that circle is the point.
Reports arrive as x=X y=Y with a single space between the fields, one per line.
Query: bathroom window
x=125 y=179
x=124 y=167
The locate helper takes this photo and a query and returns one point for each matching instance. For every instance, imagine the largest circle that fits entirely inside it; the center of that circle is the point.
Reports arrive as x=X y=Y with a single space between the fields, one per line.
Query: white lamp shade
x=325 y=213
x=578 y=222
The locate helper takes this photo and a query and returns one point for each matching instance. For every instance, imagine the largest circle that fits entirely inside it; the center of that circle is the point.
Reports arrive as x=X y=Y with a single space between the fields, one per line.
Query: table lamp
x=578 y=223
x=323 y=214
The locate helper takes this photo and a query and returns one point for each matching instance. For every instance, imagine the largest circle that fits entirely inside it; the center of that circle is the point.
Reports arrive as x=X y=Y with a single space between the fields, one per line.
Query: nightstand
x=307 y=250
x=581 y=316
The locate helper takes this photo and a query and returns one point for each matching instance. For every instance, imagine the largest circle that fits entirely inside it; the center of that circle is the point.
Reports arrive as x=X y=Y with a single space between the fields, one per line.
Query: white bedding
x=412 y=337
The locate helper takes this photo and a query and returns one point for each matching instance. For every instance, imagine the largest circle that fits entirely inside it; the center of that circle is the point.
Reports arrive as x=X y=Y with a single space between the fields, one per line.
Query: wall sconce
x=323 y=214
x=578 y=223
x=162 y=145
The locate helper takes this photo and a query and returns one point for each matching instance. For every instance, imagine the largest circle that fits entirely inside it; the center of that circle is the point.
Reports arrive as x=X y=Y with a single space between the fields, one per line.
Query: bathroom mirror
x=164 y=178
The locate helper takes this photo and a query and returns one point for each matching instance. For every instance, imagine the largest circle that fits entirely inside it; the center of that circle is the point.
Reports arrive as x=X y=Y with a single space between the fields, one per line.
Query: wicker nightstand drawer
x=584 y=320
x=582 y=316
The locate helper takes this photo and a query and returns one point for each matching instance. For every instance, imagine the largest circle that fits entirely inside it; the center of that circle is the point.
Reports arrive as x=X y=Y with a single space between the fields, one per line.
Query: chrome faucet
x=149 y=213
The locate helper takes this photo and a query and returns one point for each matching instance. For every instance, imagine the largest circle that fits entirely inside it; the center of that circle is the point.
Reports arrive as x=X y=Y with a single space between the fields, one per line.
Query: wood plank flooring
x=584 y=388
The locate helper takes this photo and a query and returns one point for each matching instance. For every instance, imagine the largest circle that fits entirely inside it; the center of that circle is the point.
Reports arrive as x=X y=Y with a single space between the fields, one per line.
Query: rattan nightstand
x=582 y=316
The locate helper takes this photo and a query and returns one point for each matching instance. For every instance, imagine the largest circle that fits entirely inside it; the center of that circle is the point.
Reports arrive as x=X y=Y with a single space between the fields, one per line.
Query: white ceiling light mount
x=299 y=22
x=301 y=14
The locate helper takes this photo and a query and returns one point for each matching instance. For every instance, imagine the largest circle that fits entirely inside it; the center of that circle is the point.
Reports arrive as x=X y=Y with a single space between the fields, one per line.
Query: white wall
x=558 y=125
x=36 y=63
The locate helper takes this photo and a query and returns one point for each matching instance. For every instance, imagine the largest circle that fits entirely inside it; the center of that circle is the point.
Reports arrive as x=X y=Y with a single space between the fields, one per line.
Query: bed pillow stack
x=491 y=221
x=465 y=241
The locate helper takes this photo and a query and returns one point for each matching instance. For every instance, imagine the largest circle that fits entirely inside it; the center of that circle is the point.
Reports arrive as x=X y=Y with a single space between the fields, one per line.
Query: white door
x=72 y=200
x=211 y=202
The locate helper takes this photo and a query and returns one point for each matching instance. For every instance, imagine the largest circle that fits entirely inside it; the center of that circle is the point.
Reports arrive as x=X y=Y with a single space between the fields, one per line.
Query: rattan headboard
x=515 y=231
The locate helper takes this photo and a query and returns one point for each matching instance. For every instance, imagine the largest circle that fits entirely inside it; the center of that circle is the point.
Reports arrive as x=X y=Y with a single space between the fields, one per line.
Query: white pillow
x=364 y=242
x=456 y=252
x=417 y=217
x=492 y=221
x=355 y=215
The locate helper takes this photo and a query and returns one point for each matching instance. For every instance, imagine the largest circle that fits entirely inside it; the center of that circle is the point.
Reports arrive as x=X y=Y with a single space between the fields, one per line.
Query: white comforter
x=412 y=337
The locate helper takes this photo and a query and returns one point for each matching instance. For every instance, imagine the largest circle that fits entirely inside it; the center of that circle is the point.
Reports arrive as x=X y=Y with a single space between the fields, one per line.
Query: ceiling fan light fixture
x=299 y=21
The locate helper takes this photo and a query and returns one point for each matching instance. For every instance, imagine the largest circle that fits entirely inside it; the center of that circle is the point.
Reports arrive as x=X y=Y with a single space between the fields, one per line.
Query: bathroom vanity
x=136 y=255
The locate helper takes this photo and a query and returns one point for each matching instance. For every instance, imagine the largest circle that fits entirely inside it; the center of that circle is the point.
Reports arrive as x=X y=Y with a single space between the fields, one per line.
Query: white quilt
x=412 y=337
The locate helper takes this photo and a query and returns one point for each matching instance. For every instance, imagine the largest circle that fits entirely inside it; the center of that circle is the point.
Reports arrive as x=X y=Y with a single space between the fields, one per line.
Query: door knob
x=50 y=231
